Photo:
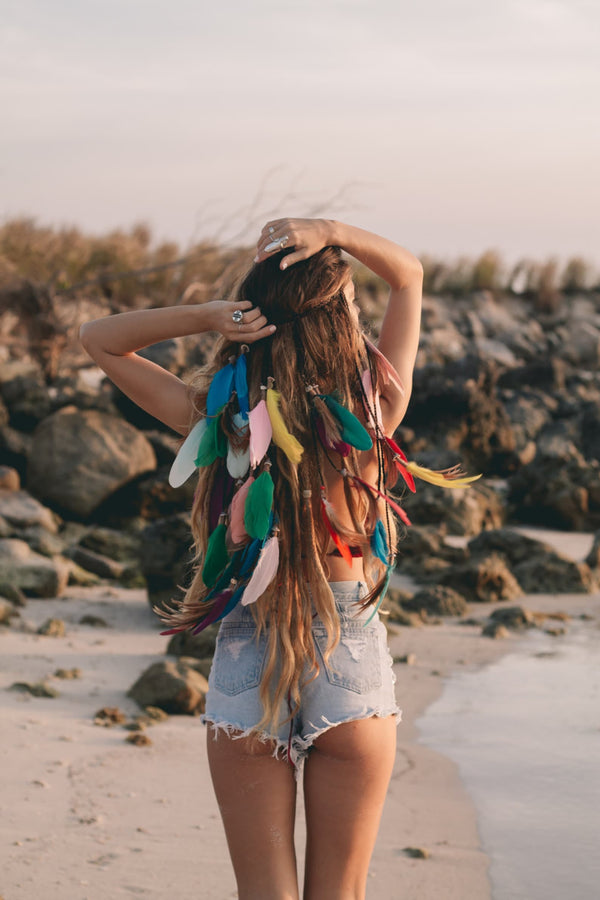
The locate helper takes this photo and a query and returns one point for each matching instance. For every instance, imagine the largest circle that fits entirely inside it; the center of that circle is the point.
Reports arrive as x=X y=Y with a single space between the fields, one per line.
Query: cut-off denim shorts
x=358 y=682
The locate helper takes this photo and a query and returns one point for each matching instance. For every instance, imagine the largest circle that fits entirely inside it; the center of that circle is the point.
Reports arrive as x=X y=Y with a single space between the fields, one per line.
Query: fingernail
x=283 y=265
x=273 y=328
x=255 y=258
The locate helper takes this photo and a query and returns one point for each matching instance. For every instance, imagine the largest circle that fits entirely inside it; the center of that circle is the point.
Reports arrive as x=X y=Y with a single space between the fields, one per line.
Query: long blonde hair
x=318 y=341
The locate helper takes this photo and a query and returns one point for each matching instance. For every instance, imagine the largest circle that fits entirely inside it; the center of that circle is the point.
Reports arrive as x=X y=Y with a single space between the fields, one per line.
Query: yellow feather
x=437 y=477
x=287 y=442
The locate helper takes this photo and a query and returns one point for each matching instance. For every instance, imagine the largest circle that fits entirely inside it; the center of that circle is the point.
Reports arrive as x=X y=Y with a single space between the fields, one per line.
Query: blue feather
x=241 y=384
x=379 y=544
x=219 y=392
x=382 y=595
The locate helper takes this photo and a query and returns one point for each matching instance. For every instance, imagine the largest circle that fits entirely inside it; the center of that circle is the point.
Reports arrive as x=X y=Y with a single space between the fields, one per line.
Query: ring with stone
x=237 y=316
x=271 y=229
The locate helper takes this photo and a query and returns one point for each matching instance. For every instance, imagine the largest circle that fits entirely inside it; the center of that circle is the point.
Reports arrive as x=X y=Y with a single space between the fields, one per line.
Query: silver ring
x=279 y=244
x=237 y=316
x=271 y=229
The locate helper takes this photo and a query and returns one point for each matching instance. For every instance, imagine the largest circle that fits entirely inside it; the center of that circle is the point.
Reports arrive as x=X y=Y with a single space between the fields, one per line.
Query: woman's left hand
x=248 y=325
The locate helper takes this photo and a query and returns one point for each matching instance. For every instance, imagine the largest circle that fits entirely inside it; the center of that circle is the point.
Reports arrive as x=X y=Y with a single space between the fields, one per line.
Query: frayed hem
x=236 y=732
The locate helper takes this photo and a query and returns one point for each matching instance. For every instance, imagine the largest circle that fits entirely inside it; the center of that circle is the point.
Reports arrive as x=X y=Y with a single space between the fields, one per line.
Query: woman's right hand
x=306 y=236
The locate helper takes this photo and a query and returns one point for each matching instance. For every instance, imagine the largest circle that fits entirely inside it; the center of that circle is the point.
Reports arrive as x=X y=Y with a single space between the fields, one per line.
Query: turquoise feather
x=257 y=510
x=352 y=431
x=386 y=584
x=241 y=384
x=379 y=544
x=219 y=392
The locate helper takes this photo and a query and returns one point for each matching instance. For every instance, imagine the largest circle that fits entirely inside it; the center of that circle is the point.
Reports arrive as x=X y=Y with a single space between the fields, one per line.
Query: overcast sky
x=451 y=127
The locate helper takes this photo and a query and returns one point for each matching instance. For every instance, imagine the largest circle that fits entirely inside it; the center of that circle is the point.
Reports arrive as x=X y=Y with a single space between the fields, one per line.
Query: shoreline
x=85 y=814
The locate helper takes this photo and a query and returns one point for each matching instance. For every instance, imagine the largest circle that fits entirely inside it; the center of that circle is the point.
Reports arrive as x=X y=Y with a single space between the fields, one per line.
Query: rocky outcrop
x=166 y=557
x=32 y=573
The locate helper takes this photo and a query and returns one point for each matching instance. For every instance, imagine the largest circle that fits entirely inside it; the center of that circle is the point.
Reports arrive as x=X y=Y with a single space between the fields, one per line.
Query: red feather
x=397 y=509
x=339 y=543
x=410 y=481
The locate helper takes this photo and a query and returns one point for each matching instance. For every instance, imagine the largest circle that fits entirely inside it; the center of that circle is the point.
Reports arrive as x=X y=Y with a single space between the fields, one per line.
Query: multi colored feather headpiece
x=242 y=554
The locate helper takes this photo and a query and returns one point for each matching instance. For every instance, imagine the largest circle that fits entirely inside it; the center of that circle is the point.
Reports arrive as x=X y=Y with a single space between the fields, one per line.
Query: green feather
x=212 y=444
x=257 y=509
x=353 y=432
x=216 y=557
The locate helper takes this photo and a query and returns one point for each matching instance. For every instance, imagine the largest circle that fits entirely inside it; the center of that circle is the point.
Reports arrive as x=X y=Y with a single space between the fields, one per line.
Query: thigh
x=256 y=792
x=346 y=777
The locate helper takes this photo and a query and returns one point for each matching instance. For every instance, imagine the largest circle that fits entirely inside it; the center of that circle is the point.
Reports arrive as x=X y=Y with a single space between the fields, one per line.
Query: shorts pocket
x=355 y=664
x=239 y=659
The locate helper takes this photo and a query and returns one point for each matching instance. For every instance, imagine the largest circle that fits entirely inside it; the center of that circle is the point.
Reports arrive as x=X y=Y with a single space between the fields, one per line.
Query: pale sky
x=450 y=127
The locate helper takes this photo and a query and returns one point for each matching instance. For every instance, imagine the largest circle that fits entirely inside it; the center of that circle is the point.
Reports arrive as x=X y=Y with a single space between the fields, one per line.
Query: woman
x=294 y=536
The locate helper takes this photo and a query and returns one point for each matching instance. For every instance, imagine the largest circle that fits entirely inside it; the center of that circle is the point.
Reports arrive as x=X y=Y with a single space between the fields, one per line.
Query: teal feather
x=216 y=557
x=219 y=392
x=379 y=544
x=257 y=510
x=212 y=444
x=352 y=431
x=241 y=384
x=386 y=584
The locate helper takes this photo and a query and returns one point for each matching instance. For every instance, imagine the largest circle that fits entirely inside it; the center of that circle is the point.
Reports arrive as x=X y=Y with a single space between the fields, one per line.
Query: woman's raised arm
x=400 y=329
x=113 y=340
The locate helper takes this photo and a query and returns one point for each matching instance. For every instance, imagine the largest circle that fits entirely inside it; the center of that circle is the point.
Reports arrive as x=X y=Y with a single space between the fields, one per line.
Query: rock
x=139 y=740
x=483 y=580
x=32 y=573
x=52 y=628
x=515 y=617
x=174 y=687
x=93 y=621
x=9 y=479
x=21 y=509
x=555 y=632
x=462 y=512
x=81 y=577
x=25 y=394
x=14 y=448
x=439 y=600
x=7 y=611
x=416 y=852
x=96 y=563
x=36 y=689
x=169 y=354
x=166 y=558
x=537 y=566
x=109 y=716
x=408 y=659
x=67 y=674
x=495 y=630
x=557 y=491
x=80 y=457
x=42 y=541
x=198 y=646
x=155 y=714
x=120 y=545
x=593 y=557
x=151 y=497
x=200 y=665
x=12 y=593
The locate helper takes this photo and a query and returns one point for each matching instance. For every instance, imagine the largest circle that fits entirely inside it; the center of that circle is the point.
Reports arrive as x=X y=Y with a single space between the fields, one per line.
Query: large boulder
x=33 y=574
x=199 y=646
x=79 y=457
x=482 y=580
x=166 y=557
x=461 y=511
x=173 y=686
x=21 y=510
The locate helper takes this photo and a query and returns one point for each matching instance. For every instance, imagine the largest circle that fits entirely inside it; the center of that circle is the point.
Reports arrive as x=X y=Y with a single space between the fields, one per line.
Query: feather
x=257 y=509
x=379 y=543
x=216 y=556
x=386 y=583
x=390 y=376
x=448 y=478
x=287 y=442
x=251 y=552
x=241 y=384
x=212 y=444
x=371 y=403
x=232 y=602
x=328 y=442
x=395 y=506
x=339 y=543
x=264 y=571
x=219 y=392
x=353 y=432
x=399 y=460
x=220 y=496
x=237 y=530
x=238 y=461
x=261 y=433
x=215 y=612
x=184 y=463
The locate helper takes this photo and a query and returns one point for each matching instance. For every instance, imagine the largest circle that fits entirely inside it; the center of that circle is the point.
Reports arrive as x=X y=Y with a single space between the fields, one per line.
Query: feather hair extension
x=218 y=607
x=352 y=430
x=216 y=556
x=184 y=463
x=373 y=398
x=454 y=477
x=237 y=530
x=379 y=543
x=386 y=584
x=281 y=436
x=389 y=373
x=399 y=461
x=264 y=571
x=241 y=381
x=212 y=444
x=219 y=392
x=337 y=540
x=261 y=431
x=395 y=506
x=259 y=502
x=238 y=461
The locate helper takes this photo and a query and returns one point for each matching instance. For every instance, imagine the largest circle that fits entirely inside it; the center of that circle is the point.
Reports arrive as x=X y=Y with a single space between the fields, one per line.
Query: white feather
x=264 y=571
x=184 y=463
x=238 y=461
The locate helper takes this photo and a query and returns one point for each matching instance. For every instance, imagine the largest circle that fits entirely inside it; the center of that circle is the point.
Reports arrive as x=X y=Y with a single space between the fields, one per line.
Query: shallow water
x=525 y=734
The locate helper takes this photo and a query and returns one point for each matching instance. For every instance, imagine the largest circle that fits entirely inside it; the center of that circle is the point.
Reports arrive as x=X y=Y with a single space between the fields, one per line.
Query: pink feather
x=388 y=371
x=237 y=531
x=264 y=571
x=373 y=398
x=261 y=432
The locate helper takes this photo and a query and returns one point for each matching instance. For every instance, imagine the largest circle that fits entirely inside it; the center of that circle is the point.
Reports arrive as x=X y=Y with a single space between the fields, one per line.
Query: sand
x=85 y=815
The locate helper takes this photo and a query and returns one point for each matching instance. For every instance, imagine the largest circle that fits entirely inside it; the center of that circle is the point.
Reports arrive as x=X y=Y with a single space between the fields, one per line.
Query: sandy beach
x=85 y=815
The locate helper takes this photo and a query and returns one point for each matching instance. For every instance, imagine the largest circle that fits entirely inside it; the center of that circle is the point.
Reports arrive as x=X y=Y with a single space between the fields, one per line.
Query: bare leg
x=257 y=798
x=346 y=777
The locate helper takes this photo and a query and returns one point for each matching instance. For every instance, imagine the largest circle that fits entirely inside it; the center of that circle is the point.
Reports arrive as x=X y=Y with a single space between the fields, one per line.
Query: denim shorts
x=358 y=682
